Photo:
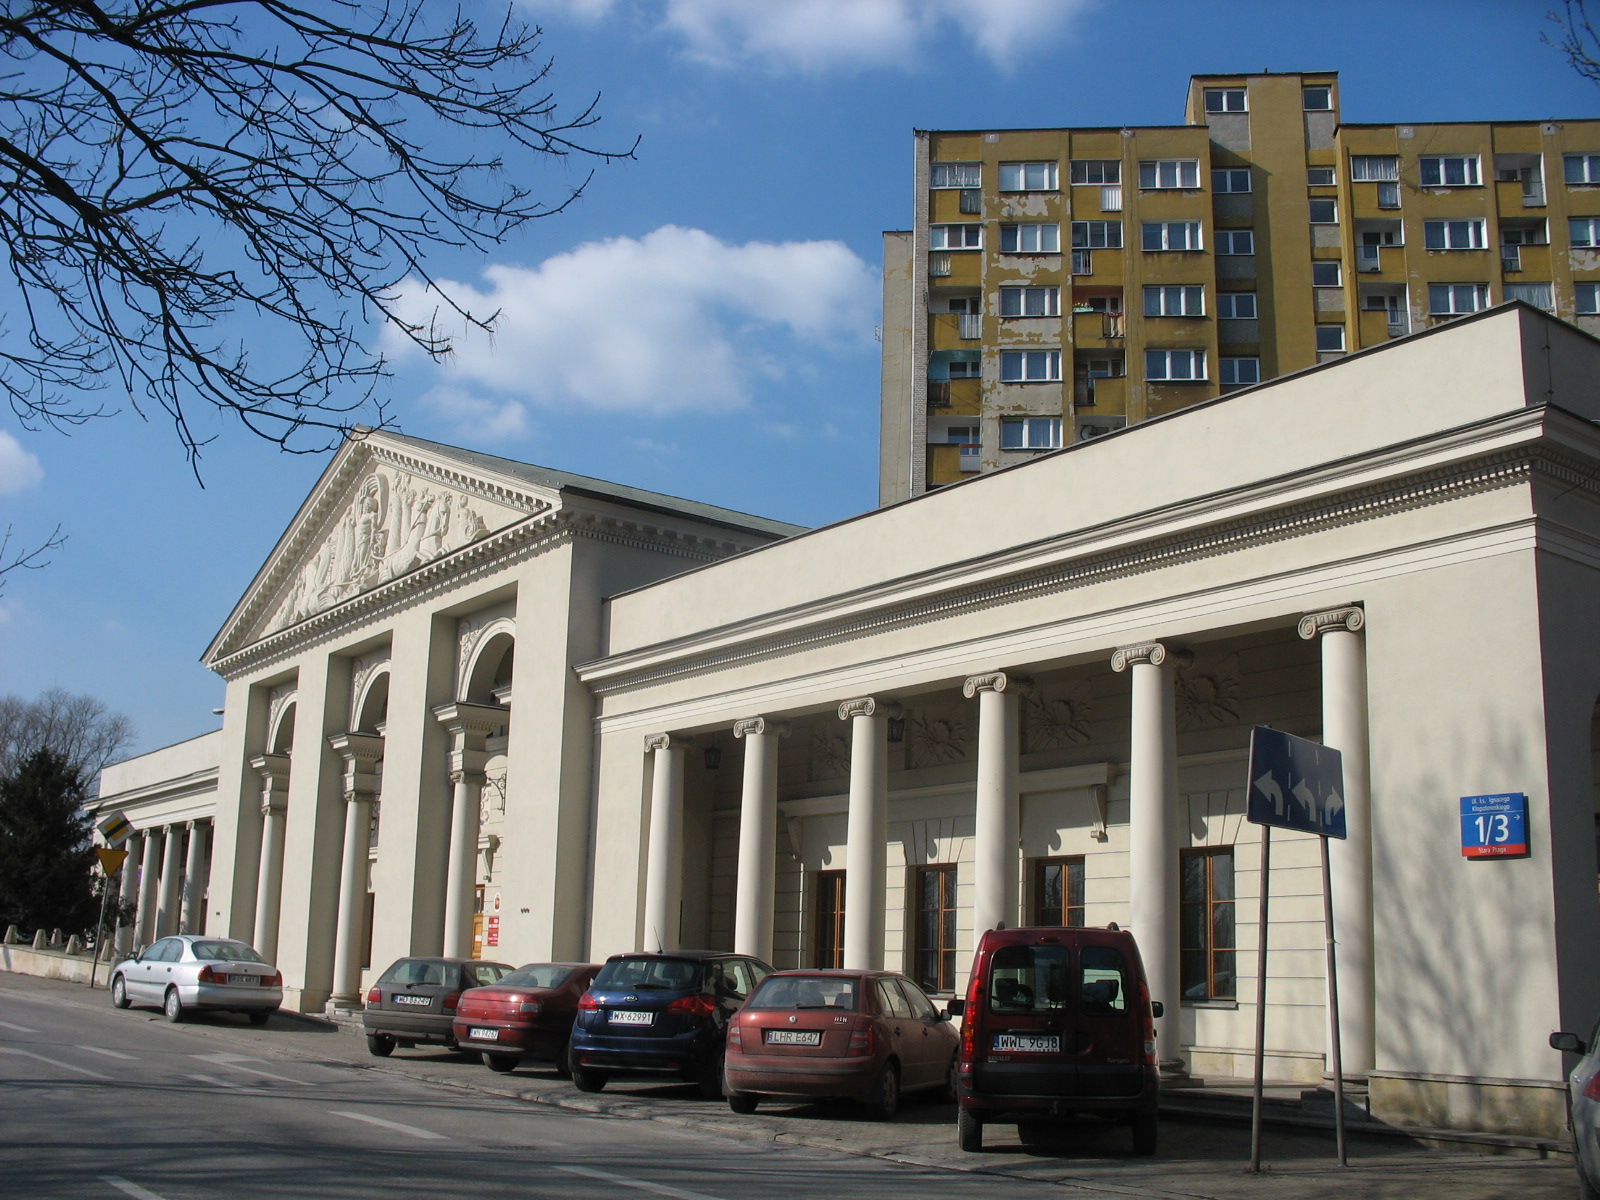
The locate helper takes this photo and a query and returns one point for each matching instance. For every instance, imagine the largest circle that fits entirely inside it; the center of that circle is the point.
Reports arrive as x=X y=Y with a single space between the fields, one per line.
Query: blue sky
x=702 y=321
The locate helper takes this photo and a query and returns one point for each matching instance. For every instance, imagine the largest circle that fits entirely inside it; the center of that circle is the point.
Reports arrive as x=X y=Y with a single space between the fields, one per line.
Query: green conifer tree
x=46 y=858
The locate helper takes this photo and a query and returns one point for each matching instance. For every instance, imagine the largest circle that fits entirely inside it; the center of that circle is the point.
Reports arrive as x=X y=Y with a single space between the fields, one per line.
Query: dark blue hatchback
x=661 y=1014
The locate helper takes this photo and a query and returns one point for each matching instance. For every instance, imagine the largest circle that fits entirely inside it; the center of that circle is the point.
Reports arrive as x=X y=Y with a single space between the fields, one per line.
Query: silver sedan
x=190 y=972
x=1585 y=1087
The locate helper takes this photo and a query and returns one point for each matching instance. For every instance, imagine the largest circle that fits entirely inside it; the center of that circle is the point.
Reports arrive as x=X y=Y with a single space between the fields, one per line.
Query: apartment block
x=1060 y=284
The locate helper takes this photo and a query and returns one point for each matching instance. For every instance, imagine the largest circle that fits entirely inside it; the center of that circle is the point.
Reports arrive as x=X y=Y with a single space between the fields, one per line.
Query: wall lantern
x=713 y=757
x=897 y=729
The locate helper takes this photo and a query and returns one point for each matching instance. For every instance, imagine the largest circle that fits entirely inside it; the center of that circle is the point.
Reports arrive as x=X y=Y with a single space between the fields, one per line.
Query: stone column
x=867 y=830
x=128 y=893
x=996 y=892
x=469 y=726
x=1344 y=728
x=663 y=881
x=194 y=879
x=360 y=752
x=171 y=877
x=274 y=772
x=758 y=835
x=1152 y=849
x=149 y=877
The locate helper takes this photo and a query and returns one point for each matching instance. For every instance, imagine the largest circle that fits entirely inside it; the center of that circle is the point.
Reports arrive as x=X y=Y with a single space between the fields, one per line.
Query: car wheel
x=1145 y=1127
x=258 y=1018
x=173 y=1006
x=884 y=1099
x=563 y=1063
x=950 y=1092
x=380 y=1045
x=586 y=1080
x=743 y=1103
x=502 y=1064
x=710 y=1081
x=119 y=993
x=969 y=1132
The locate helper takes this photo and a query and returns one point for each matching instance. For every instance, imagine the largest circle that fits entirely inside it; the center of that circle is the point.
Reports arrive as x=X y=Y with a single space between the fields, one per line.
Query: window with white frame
x=1083 y=262
x=1030 y=366
x=1330 y=337
x=1374 y=168
x=1231 y=179
x=1028 y=177
x=1169 y=173
x=1097 y=170
x=1103 y=368
x=1188 y=300
x=1170 y=235
x=1584 y=231
x=1540 y=295
x=1581 y=168
x=1321 y=176
x=1467 y=234
x=955 y=237
x=1236 y=241
x=1030 y=433
x=1236 y=372
x=965 y=368
x=1327 y=274
x=1317 y=99
x=1450 y=170
x=1455 y=299
x=1225 y=100
x=1324 y=211
x=1097 y=235
x=1030 y=302
x=955 y=175
x=1236 y=306
x=1588 y=299
x=1030 y=239
x=1175 y=366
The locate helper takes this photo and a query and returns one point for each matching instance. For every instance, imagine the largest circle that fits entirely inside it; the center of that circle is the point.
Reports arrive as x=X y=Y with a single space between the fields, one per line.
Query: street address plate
x=626 y=1016
x=1024 y=1043
x=794 y=1037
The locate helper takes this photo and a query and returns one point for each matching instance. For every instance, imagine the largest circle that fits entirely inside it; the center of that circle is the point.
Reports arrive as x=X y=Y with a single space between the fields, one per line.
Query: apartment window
x=1330 y=337
x=1455 y=299
x=1096 y=235
x=1030 y=302
x=1234 y=179
x=956 y=175
x=1175 y=366
x=936 y=928
x=1170 y=173
x=1454 y=235
x=1317 y=99
x=1186 y=301
x=1028 y=177
x=1224 y=100
x=1030 y=433
x=1581 y=168
x=1030 y=366
x=1206 y=924
x=1327 y=274
x=1321 y=176
x=1097 y=170
x=1030 y=239
x=1237 y=306
x=1083 y=262
x=1588 y=299
x=1104 y=368
x=1170 y=235
x=1238 y=372
x=1374 y=168
x=1450 y=170
x=830 y=919
x=1388 y=195
x=1236 y=241
x=1540 y=295
x=1058 y=892
x=955 y=237
x=965 y=368
x=1584 y=231
x=1324 y=212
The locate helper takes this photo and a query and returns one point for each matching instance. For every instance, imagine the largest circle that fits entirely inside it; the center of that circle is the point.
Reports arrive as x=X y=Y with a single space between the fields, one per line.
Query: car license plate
x=414 y=1001
x=487 y=1035
x=247 y=980
x=623 y=1016
x=793 y=1037
x=1028 y=1043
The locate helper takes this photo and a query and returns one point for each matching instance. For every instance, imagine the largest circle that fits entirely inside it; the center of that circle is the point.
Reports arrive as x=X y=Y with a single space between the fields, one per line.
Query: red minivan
x=1057 y=1022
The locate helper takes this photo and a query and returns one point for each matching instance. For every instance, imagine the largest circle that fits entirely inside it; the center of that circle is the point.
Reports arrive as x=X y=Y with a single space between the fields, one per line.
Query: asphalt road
x=100 y=1103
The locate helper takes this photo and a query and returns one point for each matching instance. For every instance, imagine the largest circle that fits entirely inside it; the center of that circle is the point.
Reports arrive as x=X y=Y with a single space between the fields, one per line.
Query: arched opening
x=489 y=677
x=373 y=709
x=282 y=739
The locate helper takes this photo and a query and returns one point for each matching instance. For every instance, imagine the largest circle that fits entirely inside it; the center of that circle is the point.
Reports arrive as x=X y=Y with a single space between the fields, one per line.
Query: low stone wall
x=1521 y=1107
x=51 y=964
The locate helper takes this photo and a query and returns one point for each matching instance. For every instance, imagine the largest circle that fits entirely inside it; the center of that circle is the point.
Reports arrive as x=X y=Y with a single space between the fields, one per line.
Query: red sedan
x=528 y=1014
x=862 y=1035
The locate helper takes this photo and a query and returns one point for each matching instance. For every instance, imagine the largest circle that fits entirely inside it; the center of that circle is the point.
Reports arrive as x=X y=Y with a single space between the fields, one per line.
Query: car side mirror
x=1157 y=1008
x=955 y=1007
x=1570 y=1042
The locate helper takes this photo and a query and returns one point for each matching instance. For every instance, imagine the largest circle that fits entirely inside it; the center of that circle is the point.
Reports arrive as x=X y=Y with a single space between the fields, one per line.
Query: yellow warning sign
x=110 y=860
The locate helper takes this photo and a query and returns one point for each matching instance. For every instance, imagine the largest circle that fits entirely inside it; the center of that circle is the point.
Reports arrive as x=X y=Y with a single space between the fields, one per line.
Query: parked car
x=1585 y=1086
x=414 y=1001
x=859 y=1035
x=528 y=1014
x=190 y=972
x=1057 y=1022
x=661 y=1014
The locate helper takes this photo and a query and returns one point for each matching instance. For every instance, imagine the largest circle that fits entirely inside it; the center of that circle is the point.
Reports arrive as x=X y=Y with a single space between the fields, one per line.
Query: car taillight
x=207 y=975
x=531 y=1006
x=860 y=1041
x=275 y=981
x=374 y=994
x=969 y=1021
x=735 y=1038
x=448 y=1004
x=1149 y=1027
x=695 y=1006
x=1591 y=1090
x=588 y=1003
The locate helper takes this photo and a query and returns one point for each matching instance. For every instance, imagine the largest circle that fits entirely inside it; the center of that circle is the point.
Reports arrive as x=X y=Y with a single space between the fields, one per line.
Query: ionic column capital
x=360 y=752
x=274 y=772
x=466 y=774
x=1152 y=654
x=869 y=706
x=1334 y=620
x=996 y=681
x=753 y=726
x=668 y=741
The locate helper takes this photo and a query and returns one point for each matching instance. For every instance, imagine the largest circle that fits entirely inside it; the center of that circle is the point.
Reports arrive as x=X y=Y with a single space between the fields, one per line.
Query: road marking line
x=109 y=1053
x=213 y=1081
x=131 y=1189
x=394 y=1125
x=18 y=1028
x=54 y=1062
x=659 y=1189
x=225 y=1060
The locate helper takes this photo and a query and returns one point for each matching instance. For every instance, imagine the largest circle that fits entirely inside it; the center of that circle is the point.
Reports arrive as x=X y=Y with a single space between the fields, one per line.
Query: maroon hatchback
x=527 y=1014
x=861 y=1035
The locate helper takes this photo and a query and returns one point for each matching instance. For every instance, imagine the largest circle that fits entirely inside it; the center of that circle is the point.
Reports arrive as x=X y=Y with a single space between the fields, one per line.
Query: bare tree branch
x=27 y=560
x=1578 y=41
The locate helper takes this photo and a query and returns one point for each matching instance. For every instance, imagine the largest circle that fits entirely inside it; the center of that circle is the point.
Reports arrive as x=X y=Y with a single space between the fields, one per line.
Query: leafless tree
x=212 y=202
x=26 y=560
x=78 y=728
x=1578 y=39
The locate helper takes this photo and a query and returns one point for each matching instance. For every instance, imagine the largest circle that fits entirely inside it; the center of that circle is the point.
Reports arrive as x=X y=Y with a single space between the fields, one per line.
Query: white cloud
x=18 y=468
x=673 y=321
x=478 y=415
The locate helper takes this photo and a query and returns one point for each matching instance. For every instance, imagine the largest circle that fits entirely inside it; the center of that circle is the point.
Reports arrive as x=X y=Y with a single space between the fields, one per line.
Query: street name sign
x=1494 y=826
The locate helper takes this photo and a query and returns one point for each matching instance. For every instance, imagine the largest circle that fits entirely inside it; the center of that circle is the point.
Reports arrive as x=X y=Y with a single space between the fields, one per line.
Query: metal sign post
x=1261 y=1004
x=110 y=864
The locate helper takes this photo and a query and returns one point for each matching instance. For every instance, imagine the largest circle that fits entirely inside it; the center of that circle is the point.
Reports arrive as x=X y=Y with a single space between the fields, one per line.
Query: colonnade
x=164 y=880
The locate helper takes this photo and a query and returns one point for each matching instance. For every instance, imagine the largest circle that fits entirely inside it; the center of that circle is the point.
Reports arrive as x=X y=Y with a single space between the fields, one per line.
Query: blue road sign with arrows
x=1295 y=783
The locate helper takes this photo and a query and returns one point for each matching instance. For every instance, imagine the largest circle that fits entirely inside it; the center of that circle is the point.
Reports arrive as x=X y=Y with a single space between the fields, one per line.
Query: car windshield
x=538 y=975
x=226 y=952
x=482 y=974
x=806 y=991
x=648 y=974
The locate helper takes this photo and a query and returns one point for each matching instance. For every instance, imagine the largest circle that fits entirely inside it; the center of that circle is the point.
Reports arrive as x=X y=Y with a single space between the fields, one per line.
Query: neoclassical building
x=475 y=706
